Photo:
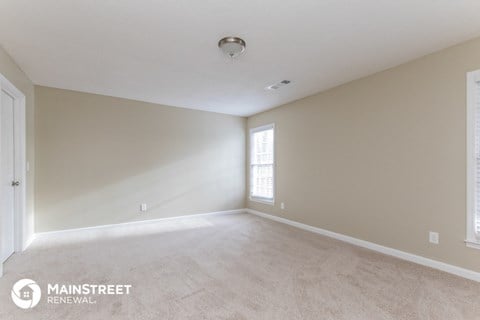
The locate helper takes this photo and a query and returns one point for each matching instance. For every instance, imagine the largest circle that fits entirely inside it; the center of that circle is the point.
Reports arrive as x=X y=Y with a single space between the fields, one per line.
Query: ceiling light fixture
x=232 y=46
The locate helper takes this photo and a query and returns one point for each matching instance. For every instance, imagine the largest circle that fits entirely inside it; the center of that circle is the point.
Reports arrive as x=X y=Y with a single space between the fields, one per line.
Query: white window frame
x=260 y=199
x=473 y=239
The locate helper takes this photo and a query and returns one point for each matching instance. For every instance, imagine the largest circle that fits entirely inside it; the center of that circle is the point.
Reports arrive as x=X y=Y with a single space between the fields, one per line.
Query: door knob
x=15 y=183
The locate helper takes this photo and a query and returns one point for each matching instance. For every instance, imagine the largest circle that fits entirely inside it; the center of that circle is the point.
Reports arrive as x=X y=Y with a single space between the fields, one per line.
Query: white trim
x=262 y=128
x=472 y=238
x=472 y=244
x=20 y=229
x=251 y=132
x=137 y=223
x=261 y=200
x=465 y=273
x=29 y=241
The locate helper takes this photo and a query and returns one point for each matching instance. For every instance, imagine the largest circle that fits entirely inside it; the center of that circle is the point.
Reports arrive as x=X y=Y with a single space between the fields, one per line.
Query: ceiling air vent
x=278 y=85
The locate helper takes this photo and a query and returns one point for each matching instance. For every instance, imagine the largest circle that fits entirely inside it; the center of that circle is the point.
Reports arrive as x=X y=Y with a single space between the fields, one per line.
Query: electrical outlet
x=282 y=206
x=143 y=207
x=433 y=237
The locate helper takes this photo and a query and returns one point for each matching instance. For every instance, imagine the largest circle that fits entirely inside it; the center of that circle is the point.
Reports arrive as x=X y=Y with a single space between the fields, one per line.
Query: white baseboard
x=29 y=241
x=132 y=223
x=465 y=273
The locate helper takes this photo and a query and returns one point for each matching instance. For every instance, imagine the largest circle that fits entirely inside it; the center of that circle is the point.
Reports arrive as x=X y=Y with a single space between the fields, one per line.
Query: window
x=473 y=159
x=262 y=164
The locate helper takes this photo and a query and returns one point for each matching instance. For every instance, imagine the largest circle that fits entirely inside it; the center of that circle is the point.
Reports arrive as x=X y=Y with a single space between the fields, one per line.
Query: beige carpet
x=235 y=266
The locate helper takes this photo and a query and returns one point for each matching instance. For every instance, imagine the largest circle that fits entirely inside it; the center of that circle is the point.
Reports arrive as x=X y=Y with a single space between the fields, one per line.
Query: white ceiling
x=166 y=51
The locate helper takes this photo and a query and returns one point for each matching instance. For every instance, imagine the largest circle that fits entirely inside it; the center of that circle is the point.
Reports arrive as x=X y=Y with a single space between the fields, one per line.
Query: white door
x=7 y=169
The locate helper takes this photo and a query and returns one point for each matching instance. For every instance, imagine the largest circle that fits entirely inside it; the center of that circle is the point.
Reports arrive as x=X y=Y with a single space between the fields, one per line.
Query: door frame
x=19 y=137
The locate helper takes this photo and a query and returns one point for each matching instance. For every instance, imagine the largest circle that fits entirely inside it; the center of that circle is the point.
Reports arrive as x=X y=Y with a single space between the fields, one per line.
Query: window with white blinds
x=477 y=158
x=473 y=159
x=262 y=163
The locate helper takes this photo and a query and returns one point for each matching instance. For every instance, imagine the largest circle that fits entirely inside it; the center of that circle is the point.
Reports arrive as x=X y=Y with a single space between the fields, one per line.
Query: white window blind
x=262 y=163
x=476 y=217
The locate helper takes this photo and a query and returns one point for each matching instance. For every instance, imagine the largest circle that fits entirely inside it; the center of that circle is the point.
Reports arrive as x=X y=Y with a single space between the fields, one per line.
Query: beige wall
x=382 y=158
x=99 y=158
x=10 y=70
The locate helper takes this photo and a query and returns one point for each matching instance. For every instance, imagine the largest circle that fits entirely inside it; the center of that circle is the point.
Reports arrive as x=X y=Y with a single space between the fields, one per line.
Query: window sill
x=263 y=201
x=475 y=244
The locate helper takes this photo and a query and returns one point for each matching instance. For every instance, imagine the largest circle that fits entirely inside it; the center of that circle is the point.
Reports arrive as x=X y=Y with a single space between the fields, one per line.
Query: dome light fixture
x=232 y=46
